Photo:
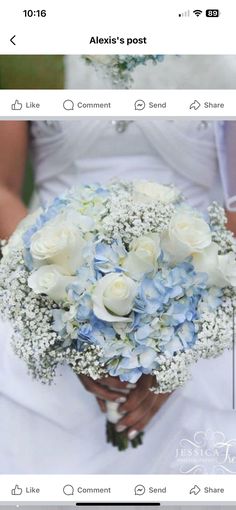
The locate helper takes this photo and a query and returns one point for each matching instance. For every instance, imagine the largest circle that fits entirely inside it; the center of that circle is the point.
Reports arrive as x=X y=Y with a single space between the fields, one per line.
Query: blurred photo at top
x=117 y=71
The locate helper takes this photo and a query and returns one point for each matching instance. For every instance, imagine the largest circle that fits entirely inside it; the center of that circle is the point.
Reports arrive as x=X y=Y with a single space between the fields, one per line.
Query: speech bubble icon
x=68 y=490
x=68 y=105
x=139 y=490
x=139 y=104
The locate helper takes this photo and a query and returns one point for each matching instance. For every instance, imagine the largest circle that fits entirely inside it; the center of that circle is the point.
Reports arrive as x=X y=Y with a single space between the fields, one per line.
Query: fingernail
x=121 y=400
x=132 y=434
x=120 y=428
x=131 y=386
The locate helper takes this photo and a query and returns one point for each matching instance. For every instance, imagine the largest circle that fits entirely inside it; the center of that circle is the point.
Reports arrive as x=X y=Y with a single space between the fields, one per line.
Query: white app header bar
x=19 y=104
x=117 y=489
x=118 y=27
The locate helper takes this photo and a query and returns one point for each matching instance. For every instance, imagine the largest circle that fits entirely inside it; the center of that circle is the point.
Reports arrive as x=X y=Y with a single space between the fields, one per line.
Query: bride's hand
x=140 y=407
x=108 y=388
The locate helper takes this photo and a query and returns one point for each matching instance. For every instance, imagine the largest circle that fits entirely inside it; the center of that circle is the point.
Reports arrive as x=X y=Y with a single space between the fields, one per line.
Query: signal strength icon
x=184 y=14
x=197 y=12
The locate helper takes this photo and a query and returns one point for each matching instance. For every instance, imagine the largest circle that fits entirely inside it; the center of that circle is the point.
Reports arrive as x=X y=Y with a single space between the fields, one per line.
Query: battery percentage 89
x=212 y=13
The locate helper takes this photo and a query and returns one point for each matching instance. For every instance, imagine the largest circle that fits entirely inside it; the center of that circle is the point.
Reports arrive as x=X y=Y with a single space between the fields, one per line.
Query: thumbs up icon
x=17 y=491
x=16 y=105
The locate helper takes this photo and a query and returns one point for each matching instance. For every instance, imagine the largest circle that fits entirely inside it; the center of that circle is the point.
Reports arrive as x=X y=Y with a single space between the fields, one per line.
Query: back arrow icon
x=12 y=40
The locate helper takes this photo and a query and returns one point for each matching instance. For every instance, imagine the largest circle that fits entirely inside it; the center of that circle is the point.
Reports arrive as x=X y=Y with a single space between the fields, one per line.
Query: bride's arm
x=231 y=217
x=13 y=154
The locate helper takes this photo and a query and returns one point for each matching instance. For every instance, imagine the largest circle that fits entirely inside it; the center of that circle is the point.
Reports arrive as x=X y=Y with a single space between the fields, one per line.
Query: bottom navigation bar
x=121 y=489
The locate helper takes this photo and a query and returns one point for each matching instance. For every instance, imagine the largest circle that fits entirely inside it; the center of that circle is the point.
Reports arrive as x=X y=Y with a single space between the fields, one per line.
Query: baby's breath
x=215 y=335
x=126 y=219
x=34 y=339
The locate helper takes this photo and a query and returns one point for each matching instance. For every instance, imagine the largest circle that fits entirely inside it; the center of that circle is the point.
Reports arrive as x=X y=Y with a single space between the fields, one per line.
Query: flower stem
x=120 y=439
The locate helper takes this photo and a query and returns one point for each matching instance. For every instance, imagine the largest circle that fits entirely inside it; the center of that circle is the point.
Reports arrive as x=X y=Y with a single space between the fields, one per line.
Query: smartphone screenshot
x=117 y=255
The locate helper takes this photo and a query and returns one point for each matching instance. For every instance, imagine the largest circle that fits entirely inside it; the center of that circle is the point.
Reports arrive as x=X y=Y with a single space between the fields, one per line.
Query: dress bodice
x=69 y=152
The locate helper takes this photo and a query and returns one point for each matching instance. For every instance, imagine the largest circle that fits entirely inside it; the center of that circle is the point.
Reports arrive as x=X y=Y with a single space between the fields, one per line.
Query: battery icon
x=212 y=13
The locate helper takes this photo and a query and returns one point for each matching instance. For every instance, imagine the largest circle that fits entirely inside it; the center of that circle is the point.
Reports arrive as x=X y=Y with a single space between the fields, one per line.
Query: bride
x=60 y=429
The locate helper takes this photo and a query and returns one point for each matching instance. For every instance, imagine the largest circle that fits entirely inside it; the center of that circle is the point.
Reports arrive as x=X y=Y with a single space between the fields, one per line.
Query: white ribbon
x=113 y=415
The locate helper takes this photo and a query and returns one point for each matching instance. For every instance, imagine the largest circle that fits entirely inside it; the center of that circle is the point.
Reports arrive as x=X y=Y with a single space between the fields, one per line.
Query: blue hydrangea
x=48 y=214
x=107 y=257
x=96 y=332
x=85 y=279
x=141 y=360
x=85 y=307
x=169 y=284
x=212 y=298
x=173 y=296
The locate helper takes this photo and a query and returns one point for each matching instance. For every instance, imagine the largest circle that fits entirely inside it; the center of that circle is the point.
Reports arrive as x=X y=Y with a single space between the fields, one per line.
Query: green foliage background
x=28 y=185
x=31 y=72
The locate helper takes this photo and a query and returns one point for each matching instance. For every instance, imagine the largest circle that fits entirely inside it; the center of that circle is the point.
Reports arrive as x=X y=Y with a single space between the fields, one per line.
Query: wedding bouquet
x=120 y=280
x=119 y=68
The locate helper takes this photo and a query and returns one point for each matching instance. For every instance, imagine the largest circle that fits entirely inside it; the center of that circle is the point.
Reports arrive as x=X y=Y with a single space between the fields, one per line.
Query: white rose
x=227 y=268
x=58 y=243
x=221 y=269
x=142 y=257
x=207 y=262
x=146 y=191
x=84 y=222
x=51 y=281
x=188 y=233
x=113 y=297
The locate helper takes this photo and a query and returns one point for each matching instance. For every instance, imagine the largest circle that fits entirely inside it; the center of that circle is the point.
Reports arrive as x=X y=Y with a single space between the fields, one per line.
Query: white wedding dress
x=175 y=72
x=60 y=429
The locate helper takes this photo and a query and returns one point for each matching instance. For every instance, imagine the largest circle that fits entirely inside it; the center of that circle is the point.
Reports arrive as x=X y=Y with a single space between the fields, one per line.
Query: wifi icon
x=197 y=12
